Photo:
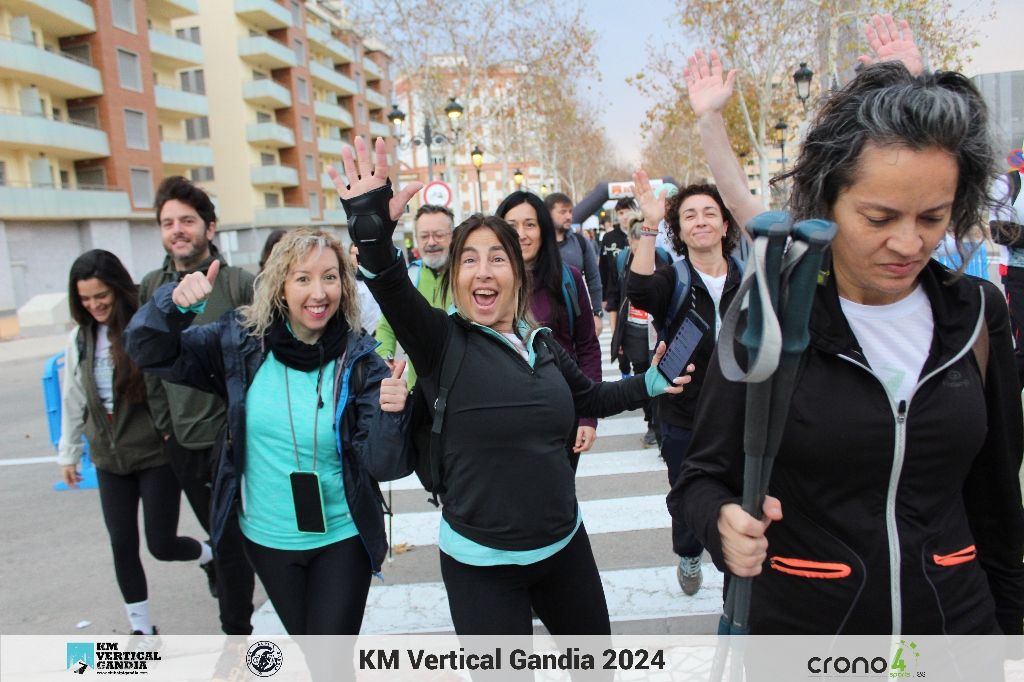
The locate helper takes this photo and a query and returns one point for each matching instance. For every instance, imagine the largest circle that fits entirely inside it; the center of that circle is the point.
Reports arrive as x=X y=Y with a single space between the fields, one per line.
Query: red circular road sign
x=437 y=193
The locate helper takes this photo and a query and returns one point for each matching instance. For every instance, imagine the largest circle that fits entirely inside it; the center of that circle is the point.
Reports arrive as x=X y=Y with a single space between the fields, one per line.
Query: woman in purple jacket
x=572 y=326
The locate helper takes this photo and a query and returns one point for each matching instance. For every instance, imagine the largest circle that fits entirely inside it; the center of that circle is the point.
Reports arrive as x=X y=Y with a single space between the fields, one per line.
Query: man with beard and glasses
x=433 y=229
x=576 y=251
x=192 y=421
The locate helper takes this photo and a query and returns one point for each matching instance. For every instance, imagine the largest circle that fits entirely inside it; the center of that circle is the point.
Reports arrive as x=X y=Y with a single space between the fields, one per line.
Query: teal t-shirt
x=268 y=513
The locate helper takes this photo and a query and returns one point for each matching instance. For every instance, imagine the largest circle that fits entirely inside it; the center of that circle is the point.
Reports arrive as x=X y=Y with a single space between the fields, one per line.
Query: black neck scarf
x=304 y=357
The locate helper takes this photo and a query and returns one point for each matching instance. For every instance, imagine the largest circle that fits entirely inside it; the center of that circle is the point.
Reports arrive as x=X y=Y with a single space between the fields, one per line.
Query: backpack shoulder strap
x=620 y=261
x=415 y=269
x=980 y=349
x=1015 y=183
x=679 y=294
x=571 y=295
x=454 y=351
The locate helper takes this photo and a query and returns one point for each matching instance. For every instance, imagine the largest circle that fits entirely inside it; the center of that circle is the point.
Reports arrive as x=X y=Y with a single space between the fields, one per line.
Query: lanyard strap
x=316 y=415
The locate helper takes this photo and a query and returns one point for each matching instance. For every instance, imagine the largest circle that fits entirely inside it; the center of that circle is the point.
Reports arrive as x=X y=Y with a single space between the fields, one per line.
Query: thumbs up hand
x=195 y=287
x=393 y=390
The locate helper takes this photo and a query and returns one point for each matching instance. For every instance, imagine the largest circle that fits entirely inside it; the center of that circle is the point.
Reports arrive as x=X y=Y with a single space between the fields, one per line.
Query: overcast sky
x=621 y=52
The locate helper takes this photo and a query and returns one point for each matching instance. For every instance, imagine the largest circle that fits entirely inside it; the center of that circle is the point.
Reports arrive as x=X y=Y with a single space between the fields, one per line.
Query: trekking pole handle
x=803 y=282
x=773 y=226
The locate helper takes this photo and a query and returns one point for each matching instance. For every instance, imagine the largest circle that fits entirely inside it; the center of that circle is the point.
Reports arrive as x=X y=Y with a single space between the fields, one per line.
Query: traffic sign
x=437 y=193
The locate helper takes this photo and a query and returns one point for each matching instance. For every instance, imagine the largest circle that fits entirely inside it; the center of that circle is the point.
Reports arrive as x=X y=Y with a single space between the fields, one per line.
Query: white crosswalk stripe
x=635 y=595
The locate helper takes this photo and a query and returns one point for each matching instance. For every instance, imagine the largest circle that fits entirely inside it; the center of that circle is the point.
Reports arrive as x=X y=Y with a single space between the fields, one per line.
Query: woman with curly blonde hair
x=310 y=409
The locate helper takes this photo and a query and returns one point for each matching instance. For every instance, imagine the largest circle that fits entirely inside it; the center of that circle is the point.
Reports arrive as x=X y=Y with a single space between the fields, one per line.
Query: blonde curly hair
x=268 y=296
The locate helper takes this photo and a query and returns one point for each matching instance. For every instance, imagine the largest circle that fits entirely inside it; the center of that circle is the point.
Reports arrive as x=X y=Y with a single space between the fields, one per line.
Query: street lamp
x=478 y=160
x=802 y=77
x=780 y=138
x=429 y=136
x=518 y=177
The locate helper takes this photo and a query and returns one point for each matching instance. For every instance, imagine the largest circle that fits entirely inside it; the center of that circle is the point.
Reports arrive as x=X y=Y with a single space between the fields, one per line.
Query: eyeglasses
x=436 y=236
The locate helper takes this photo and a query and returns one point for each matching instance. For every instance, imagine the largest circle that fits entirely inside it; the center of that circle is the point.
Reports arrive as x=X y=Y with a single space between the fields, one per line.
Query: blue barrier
x=51 y=394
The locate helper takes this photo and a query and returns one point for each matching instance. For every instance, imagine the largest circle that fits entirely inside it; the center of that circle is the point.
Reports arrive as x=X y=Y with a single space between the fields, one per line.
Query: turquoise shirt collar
x=523 y=329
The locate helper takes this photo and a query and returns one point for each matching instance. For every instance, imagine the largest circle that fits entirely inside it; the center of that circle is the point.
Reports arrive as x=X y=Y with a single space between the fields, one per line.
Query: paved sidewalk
x=31 y=348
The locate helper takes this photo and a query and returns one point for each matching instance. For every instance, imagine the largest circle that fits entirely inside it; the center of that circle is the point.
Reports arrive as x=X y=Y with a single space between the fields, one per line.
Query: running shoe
x=650 y=438
x=211 y=577
x=689 y=574
x=141 y=641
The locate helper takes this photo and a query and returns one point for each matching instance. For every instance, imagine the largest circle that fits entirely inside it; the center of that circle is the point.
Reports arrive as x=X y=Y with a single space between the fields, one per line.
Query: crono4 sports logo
x=904 y=664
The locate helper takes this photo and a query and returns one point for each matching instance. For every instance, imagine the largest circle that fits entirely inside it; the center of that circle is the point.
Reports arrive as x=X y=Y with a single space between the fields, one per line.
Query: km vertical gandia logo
x=80 y=657
x=903 y=664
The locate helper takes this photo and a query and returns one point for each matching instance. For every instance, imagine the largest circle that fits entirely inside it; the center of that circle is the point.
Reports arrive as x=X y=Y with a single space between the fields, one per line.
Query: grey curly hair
x=268 y=297
x=886 y=105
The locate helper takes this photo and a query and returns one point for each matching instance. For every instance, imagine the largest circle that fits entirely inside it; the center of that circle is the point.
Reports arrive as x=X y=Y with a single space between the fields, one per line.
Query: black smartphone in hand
x=684 y=343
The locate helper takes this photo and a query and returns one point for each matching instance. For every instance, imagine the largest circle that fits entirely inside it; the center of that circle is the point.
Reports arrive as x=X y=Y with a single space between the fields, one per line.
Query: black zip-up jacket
x=509 y=484
x=222 y=358
x=896 y=518
x=653 y=293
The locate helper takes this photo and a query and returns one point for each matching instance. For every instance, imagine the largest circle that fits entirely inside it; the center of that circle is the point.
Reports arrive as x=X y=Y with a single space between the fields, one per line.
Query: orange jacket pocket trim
x=809 y=569
x=962 y=557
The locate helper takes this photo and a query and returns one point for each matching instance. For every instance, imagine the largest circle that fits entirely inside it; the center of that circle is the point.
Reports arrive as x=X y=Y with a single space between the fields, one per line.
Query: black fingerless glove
x=371 y=228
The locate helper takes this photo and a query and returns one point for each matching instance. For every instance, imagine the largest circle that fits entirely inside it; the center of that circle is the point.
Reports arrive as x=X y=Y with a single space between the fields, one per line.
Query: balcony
x=171 y=9
x=59 y=74
x=183 y=155
x=180 y=104
x=50 y=203
x=172 y=52
x=282 y=215
x=331 y=147
x=380 y=129
x=333 y=113
x=326 y=183
x=267 y=93
x=264 y=14
x=371 y=70
x=265 y=52
x=274 y=176
x=327 y=77
x=335 y=216
x=339 y=51
x=270 y=134
x=64 y=140
x=375 y=100
x=58 y=18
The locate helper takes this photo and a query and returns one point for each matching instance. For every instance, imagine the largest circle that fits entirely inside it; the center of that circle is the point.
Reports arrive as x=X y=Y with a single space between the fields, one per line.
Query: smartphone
x=682 y=346
x=309 y=503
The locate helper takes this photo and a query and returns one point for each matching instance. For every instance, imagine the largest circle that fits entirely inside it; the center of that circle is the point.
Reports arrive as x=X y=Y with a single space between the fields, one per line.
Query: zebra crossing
x=621 y=488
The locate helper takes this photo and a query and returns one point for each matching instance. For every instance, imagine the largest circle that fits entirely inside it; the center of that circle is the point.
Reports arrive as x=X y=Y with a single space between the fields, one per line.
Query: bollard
x=51 y=396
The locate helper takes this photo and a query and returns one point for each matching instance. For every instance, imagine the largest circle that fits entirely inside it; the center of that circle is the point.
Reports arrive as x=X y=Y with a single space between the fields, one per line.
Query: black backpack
x=430 y=399
x=1006 y=232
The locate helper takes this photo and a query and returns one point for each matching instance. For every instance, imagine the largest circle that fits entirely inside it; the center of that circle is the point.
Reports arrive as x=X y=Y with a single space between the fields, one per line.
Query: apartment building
x=102 y=99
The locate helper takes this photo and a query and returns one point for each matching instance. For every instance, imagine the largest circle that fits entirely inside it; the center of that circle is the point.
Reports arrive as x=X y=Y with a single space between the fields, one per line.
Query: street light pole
x=478 y=160
x=428 y=137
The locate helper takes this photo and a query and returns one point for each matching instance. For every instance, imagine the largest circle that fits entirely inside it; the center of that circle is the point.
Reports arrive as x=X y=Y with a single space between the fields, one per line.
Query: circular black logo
x=264 y=659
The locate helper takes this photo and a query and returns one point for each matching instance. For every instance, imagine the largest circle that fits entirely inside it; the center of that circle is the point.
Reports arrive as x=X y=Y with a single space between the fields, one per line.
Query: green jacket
x=195 y=417
x=127 y=443
x=428 y=283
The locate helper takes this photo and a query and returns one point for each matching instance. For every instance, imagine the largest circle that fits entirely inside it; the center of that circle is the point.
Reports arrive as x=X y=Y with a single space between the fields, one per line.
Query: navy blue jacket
x=222 y=358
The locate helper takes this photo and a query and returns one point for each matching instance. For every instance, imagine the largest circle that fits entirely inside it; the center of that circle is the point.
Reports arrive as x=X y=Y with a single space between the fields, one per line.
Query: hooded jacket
x=897 y=518
x=222 y=358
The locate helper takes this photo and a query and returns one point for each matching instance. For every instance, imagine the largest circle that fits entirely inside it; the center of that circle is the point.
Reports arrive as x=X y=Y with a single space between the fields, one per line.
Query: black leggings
x=158 y=489
x=565 y=590
x=318 y=591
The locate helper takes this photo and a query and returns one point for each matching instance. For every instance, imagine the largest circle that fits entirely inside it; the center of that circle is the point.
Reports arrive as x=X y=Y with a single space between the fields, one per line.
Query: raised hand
x=652 y=207
x=708 y=91
x=195 y=287
x=892 y=44
x=369 y=177
x=393 y=390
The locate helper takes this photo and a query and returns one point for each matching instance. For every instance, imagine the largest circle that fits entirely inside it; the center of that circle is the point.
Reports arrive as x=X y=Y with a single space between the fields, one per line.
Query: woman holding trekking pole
x=894 y=504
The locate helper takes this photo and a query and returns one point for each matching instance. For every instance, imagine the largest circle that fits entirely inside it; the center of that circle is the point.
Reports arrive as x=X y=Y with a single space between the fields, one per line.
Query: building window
x=204 y=174
x=263 y=117
x=189 y=34
x=197 y=128
x=307 y=128
x=65 y=180
x=135 y=134
x=271 y=200
x=359 y=81
x=314 y=204
x=142 y=187
x=193 y=81
x=79 y=53
x=310 y=167
x=303 y=87
x=300 y=52
x=128 y=70
x=91 y=178
x=3 y=173
x=362 y=112
x=267 y=159
x=259 y=75
x=124 y=14
x=86 y=116
x=296 y=14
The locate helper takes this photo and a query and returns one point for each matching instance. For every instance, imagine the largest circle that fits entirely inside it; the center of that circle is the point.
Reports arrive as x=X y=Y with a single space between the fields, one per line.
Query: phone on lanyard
x=309 y=502
x=682 y=346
